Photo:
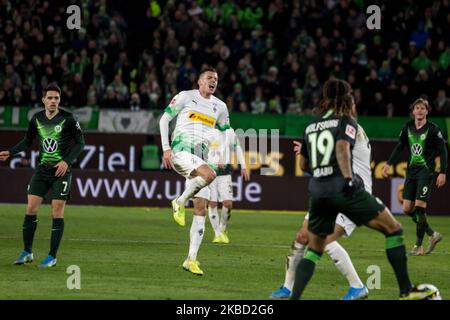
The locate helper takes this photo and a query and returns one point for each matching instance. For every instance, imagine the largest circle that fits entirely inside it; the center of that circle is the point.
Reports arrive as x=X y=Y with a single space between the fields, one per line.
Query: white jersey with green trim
x=221 y=146
x=362 y=157
x=197 y=118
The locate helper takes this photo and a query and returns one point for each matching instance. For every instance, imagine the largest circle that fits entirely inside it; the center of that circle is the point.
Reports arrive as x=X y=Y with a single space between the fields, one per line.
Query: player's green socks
x=396 y=254
x=422 y=224
x=304 y=272
x=57 y=233
x=29 y=227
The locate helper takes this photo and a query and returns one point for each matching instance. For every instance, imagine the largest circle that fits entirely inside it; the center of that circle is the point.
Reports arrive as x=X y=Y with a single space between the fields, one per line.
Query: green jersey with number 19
x=319 y=147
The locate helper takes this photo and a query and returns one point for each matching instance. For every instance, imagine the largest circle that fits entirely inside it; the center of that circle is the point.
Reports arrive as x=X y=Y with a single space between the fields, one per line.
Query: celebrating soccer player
x=424 y=139
x=56 y=129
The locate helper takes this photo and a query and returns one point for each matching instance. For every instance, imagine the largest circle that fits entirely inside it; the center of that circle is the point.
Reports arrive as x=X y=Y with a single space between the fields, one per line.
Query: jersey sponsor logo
x=50 y=145
x=350 y=131
x=416 y=149
x=58 y=128
x=207 y=120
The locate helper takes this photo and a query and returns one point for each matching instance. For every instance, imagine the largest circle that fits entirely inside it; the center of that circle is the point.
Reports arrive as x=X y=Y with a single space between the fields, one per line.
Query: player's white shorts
x=203 y=193
x=221 y=189
x=342 y=220
x=185 y=162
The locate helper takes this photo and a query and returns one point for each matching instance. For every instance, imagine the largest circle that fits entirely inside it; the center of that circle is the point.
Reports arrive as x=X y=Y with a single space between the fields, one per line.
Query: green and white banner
x=18 y=117
x=129 y=121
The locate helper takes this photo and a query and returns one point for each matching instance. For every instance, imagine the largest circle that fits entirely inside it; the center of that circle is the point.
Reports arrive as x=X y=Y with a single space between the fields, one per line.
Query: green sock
x=305 y=270
x=422 y=224
x=57 y=233
x=396 y=254
x=28 y=229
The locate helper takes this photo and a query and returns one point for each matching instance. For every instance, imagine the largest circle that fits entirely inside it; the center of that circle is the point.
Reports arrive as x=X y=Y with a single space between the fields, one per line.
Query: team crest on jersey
x=423 y=136
x=350 y=131
x=58 y=128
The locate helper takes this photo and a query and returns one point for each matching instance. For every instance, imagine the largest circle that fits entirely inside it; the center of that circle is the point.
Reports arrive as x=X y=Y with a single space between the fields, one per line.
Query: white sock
x=344 y=263
x=192 y=187
x=292 y=261
x=225 y=216
x=196 y=237
x=214 y=219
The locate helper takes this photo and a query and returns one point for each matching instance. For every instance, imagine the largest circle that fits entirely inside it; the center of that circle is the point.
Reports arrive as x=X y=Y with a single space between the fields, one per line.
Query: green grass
x=136 y=253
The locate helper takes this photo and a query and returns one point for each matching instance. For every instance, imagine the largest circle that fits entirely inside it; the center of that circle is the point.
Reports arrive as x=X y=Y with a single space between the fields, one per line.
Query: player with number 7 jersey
x=55 y=129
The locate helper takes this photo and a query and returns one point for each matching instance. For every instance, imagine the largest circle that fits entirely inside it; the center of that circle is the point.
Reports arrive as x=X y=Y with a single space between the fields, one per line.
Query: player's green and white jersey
x=55 y=138
x=222 y=144
x=362 y=157
x=197 y=118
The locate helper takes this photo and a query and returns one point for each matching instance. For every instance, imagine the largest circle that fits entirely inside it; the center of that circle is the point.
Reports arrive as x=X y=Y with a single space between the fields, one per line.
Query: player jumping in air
x=199 y=112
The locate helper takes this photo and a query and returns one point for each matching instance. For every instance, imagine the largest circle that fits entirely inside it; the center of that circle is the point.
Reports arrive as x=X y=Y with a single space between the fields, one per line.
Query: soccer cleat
x=178 y=213
x=24 y=257
x=48 y=262
x=419 y=294
x=282 y=293
x=356 y=293
x=221 y=238
x=417 y=251
x=192 y=266
x=434 y=239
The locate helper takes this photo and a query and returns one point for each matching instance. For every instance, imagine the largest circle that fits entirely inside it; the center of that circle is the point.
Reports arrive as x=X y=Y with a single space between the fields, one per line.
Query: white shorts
x=203 y=193
x=185 y=162
x=221 y=189
x=342 y=220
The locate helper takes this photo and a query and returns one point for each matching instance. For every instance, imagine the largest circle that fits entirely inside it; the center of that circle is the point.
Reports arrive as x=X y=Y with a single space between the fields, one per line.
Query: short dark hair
x=51 y=87
x=207 y=69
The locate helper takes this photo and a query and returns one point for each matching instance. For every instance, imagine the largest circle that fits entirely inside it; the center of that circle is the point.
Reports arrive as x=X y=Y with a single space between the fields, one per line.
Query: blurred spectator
x=441 y=104
x=135 y=102
x=287 y=49
x=258 y=104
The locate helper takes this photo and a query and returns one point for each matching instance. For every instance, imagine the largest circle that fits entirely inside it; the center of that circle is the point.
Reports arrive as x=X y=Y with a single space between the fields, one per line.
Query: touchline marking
x=273 y=246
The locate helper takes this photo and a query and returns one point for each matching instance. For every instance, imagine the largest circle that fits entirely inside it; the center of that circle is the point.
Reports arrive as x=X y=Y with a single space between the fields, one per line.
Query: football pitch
x=136 y=253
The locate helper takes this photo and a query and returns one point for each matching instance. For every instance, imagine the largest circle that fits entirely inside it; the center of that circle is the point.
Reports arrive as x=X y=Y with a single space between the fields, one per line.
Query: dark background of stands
x=272 y=56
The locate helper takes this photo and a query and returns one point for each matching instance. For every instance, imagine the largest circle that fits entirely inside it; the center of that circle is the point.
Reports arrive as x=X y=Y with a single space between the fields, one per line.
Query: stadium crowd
x=272 y=56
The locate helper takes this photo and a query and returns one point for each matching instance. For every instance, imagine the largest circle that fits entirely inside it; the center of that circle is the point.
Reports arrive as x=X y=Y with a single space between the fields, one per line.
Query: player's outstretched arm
x=397 y=152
